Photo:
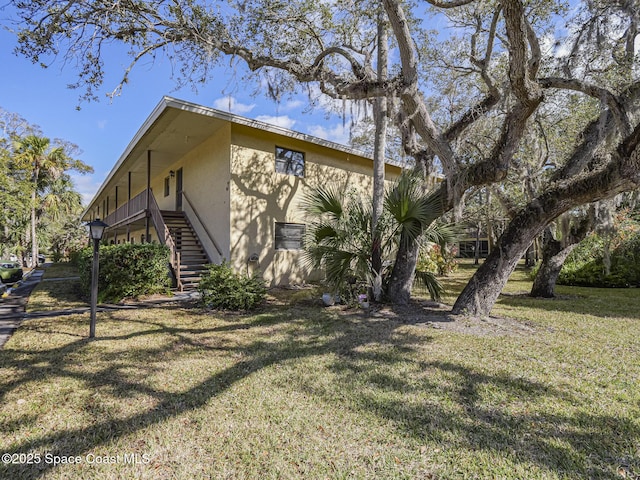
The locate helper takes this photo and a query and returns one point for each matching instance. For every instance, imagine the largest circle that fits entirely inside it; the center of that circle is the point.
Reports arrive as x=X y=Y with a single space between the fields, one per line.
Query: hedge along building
x=215 y=186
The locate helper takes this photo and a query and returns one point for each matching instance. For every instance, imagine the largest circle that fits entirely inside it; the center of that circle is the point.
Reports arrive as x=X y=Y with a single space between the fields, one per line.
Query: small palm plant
x=414 y=212
x=339 y=235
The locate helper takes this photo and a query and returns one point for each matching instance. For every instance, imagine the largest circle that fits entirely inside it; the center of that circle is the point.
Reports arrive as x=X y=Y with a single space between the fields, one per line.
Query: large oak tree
x=509 y=55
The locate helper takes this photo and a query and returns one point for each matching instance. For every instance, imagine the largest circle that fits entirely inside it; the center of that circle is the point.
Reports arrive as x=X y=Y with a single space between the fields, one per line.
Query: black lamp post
x=96 y=229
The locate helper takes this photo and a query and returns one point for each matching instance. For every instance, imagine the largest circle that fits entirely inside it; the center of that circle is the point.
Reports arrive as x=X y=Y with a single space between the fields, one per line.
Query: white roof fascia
x=170 y=102
x=237 y=119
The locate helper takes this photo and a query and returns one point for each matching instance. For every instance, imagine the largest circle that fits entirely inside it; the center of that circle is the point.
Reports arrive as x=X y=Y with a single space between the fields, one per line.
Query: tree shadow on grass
x=321 y=336
x=597 y=302
x=576 y=444
x=365 y=348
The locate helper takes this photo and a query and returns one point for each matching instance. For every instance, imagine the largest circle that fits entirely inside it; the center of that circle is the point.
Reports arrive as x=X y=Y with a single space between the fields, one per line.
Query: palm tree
x=60 y=225
x=41 y=165
x=414 y=212
x=339 y=237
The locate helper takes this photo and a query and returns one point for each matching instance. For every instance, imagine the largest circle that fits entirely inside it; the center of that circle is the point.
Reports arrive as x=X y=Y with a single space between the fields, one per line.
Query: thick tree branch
x=629 y=146
x=450 y=4
x=536 y=53
x=358 y=69
x=520 y=66
x=612 y=101
x=470 y=116
x=413 y=102
x=594 y=134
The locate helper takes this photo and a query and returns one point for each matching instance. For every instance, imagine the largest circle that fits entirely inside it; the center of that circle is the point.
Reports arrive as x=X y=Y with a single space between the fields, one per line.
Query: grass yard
x=58 y=289
x=299 y=391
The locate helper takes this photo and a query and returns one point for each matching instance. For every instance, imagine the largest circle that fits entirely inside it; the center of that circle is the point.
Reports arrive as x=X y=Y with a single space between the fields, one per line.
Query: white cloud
x=293 y=105
x=337 y=133
x=102 y=124
x=283 y=121
x=230 y=104
x=87 y=186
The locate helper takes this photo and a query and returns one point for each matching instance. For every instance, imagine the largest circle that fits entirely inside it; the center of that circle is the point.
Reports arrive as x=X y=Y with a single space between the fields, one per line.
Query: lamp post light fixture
x=96 y=229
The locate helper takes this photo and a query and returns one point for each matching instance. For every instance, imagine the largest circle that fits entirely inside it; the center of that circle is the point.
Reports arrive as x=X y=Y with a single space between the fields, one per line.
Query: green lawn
x=59 y=288
x=305 y=392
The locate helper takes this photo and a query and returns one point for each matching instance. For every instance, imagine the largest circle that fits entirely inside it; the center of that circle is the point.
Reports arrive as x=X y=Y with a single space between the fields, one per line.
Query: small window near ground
x=289 y=162
x=289 y=236
x=167 y=187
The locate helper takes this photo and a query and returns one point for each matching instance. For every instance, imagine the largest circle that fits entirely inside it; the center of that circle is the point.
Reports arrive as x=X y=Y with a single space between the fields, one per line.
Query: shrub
x=585 y=265
x=127 y=270
x=74 y=257
x=437 y=260
x=221 y=288
x=57 y=256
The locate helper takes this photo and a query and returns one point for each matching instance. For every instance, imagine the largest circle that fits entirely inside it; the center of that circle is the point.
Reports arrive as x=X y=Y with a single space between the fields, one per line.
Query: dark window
x=467 y=249
x=289 y=162
x=166 y=186
x=289 y=236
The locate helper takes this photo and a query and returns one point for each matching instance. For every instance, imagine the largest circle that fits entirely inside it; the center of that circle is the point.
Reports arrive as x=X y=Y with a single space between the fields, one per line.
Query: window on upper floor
x=289 y=162
x=289 y=236
x=167 y=187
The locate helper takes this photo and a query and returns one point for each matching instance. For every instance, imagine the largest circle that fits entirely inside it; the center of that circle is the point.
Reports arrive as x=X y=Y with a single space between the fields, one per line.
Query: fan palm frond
x=412 y=209
x=442 y=234
x=324 y=200
x=431 y=283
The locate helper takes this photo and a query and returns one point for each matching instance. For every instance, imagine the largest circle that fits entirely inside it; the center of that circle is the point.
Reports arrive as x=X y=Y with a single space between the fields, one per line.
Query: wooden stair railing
x=166 y=238
x=202 y=224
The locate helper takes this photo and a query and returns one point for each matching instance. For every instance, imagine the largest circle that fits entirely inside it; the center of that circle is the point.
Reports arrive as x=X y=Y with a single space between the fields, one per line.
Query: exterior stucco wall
x=137 y=234
x=206 y=177
x=157 y=186
x=260 y=197
x=205 y=182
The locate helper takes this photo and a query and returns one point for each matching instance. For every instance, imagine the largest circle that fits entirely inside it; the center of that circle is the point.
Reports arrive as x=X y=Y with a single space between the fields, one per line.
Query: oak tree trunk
x=482 y=291
x=529 y=256
x=553 y=258
x=555 y=253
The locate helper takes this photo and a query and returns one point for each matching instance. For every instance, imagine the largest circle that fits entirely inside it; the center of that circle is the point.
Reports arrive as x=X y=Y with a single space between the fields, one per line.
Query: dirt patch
x=424 y=313
x=436 y=315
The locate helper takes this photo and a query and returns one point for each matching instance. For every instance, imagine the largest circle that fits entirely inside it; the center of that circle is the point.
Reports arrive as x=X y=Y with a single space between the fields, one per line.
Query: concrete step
x=193 y=266
x=193 y=259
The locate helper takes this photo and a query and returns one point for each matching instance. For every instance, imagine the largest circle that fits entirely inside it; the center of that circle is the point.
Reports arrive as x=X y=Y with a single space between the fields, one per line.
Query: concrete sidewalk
x=12 y=308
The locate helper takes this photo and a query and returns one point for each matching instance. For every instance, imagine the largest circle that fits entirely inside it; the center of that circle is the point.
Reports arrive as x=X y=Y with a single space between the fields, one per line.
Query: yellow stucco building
x=214 y=186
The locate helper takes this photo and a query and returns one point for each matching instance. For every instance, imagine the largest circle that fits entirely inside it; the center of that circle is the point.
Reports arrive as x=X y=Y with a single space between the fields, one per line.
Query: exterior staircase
x=193 y=258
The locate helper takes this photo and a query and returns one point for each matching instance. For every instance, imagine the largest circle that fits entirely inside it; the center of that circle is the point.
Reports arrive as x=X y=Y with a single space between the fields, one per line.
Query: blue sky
x=103 y=129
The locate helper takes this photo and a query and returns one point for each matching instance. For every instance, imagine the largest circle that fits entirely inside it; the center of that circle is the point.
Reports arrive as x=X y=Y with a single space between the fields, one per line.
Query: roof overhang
x=174 y=128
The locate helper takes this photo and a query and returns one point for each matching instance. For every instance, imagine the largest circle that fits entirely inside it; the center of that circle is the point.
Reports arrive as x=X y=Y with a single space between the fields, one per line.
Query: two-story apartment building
x=214 y=186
